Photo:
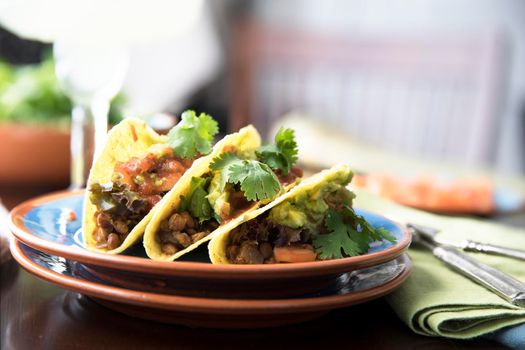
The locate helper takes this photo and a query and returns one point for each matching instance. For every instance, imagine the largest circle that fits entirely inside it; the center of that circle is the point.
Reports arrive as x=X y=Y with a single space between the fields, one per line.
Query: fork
x=506 y=286
x=467 y=245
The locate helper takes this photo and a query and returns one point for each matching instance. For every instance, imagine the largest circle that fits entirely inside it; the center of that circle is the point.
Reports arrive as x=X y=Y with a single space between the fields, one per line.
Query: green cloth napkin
x=435 y=300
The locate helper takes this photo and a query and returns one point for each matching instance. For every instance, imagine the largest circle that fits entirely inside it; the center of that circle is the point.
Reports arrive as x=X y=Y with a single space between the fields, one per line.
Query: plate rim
x=190 y=269
x=202 y=305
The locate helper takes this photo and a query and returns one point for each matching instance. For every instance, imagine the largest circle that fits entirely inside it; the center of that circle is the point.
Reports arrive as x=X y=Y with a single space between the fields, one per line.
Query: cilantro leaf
x=285 y=140
x=223 y=161
x=256 y=179
x=337 y=241
x=348 y=235
x=375 y=234
x=281 y=155
x=193 y=135
x=195 y=202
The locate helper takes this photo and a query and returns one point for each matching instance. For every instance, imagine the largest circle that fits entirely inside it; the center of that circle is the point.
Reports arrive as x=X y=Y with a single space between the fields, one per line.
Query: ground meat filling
x=255 y=241
x=138 y=185
x=180 y=230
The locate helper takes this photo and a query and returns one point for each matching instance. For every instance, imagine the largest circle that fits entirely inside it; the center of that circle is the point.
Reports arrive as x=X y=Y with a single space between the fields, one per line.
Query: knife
x=467 y=245
x=506 y=286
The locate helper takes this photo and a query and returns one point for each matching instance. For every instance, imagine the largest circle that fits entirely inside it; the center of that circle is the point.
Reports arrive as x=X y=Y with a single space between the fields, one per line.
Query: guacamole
x=308 y=209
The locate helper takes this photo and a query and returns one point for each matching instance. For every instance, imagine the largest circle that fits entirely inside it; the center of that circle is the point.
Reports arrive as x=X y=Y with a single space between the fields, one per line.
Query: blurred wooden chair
x=436 y=97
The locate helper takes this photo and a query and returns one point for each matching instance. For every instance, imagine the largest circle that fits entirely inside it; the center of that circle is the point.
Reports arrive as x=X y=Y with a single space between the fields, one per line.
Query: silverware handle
x=493 y=249
x=502 y=284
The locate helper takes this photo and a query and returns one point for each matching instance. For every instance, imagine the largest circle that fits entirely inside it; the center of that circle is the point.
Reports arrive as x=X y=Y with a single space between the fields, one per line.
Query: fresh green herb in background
x=31 y=94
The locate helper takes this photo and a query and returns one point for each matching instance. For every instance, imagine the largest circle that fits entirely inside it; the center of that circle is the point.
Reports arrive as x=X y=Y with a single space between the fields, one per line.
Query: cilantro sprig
x=193 y=135
x=282 y=154
x=256 y=179
x=348 y=235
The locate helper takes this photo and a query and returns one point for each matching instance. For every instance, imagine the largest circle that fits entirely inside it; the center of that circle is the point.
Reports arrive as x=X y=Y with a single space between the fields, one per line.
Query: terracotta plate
x=52 y=224
x=352 y=288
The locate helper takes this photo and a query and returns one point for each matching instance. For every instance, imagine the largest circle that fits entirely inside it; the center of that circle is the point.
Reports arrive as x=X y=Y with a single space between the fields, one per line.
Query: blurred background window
x=430 y=78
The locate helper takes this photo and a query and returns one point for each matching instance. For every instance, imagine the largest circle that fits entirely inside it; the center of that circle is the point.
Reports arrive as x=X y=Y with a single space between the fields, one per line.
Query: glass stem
x=88 y=133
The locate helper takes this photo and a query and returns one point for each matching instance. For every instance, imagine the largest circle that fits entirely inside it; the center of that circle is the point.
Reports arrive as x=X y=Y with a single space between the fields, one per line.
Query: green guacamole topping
x=217 y=196
x=307 y=209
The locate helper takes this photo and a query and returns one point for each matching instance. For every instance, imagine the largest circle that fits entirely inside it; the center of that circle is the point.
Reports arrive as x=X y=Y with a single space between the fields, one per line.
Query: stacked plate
x=192 y=291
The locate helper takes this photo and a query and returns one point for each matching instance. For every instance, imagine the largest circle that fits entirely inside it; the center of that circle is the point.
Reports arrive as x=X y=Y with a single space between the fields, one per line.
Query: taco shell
x=220 y=239
x=246 y=140
x=130 y=138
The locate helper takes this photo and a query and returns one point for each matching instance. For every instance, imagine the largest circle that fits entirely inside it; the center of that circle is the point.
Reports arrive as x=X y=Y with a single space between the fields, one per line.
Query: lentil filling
x=180 y=229
x=256 y=241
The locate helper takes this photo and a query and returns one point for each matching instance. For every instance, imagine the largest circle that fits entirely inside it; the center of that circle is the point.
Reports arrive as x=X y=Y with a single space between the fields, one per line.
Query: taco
x=313 y=221
x=135 y=169
x=237 y=177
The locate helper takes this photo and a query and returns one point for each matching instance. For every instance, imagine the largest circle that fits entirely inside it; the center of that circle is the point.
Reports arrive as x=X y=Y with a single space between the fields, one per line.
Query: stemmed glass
x=91 y=77
x=90 y=47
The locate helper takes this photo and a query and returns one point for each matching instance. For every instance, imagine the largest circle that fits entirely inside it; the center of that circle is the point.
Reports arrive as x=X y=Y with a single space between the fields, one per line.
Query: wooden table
x=39 y=315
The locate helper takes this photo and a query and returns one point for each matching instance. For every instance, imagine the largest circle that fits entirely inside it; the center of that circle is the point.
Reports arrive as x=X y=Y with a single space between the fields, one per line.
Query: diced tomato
x=145 y=164
x=171 y=166
x=170 y=172
x=152 y=200
x=125 y=176
x=294 y=254
x=136 y=165
x=166 y=183
x=134 y=133
x=147 y=187
x=133 y=167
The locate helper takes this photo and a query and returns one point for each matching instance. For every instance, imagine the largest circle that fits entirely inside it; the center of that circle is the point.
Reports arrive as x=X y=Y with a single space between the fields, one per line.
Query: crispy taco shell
x=219 y=242
x=130 y=138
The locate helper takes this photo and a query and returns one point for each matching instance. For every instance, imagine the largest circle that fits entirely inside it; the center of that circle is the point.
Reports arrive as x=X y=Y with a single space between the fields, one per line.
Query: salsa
x=152 y=174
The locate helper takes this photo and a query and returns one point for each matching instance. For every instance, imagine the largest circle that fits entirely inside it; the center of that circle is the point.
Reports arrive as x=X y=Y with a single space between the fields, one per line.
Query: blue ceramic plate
x=52 y=224
x=351 y=288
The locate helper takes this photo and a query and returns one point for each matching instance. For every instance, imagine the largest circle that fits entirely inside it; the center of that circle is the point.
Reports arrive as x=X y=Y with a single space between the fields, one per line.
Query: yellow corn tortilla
x=133 y=138
x=246 y=140
x=220 y=239
x=130 y=138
